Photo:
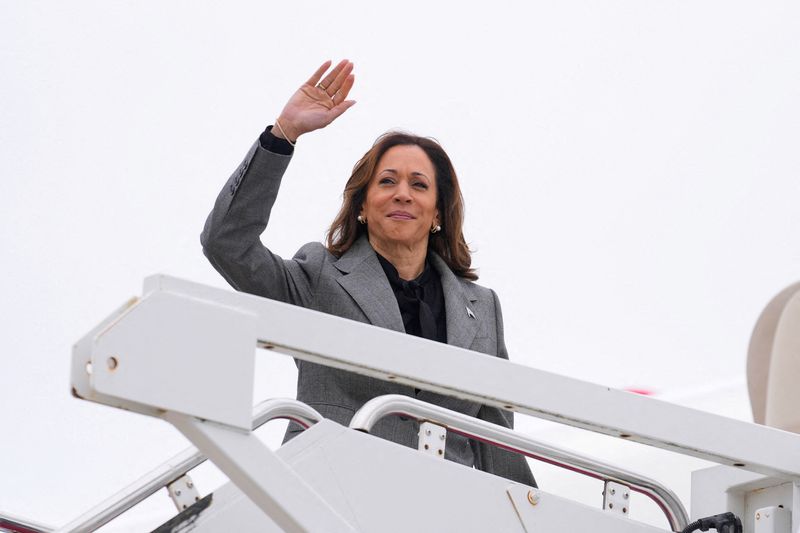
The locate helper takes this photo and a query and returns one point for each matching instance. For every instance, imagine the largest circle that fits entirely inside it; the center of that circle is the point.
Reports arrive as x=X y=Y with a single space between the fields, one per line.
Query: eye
x=385 y=181
x=421 y=185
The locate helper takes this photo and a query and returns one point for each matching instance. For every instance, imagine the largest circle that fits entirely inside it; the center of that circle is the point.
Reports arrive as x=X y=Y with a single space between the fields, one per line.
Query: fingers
x=341 y=108
x=314 y=79
x=339 y=80
x=344 y=89
x=328 y=83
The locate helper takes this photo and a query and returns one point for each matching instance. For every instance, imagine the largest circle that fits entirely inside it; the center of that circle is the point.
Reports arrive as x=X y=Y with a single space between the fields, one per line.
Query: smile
x=401 y=215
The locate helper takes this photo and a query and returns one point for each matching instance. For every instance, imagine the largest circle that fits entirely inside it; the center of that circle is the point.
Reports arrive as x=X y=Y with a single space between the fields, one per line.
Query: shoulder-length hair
x=449 y=243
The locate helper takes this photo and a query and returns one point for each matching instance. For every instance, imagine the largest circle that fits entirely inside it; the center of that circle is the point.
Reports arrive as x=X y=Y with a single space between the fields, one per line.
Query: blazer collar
x=462 y=322
x=366 y=283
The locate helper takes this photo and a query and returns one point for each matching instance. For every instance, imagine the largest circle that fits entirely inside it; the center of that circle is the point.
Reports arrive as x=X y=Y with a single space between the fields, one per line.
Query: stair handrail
x=180 y=464
x=474 y=428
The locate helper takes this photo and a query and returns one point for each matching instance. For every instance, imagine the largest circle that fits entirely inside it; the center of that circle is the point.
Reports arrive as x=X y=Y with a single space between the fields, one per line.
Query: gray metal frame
x=473 y=428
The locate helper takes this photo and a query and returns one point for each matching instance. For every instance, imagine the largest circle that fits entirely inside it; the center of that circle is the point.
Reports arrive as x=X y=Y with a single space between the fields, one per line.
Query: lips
x=401 y=215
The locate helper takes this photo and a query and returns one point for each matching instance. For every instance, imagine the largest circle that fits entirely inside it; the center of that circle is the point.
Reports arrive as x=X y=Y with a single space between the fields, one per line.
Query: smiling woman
x=395 y=258
x=405 y=194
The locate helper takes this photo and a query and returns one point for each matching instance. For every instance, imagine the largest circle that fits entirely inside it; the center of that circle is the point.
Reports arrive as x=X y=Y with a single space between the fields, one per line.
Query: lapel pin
x=470 y=313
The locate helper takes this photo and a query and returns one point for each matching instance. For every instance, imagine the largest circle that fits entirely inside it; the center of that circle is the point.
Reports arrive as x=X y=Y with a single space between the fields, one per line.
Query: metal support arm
x=180 y=464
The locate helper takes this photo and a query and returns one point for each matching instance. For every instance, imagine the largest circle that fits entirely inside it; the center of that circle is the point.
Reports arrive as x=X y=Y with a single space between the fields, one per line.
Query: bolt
x=533 y=497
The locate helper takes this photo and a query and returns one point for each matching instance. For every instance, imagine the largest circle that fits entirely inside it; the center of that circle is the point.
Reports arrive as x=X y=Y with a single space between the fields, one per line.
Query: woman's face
x=400 y=207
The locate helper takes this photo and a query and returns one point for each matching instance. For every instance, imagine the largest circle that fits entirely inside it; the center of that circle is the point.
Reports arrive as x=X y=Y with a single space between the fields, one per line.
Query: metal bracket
x=432 y=438
x=183 y=492
x=617 y=498
x=773 y=519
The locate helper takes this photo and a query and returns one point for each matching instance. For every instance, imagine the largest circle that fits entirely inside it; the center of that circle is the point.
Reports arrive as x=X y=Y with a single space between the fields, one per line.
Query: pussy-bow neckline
x=365 y=281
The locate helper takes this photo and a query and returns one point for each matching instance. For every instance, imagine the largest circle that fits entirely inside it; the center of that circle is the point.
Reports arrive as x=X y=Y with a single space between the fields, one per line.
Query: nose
x=402 y=192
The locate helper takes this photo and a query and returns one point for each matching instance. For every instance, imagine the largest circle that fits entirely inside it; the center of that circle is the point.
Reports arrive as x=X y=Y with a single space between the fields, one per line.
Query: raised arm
x=231 y=236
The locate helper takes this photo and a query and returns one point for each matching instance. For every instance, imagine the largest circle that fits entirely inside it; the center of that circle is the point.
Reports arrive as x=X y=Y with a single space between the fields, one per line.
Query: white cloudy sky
x=630 y=170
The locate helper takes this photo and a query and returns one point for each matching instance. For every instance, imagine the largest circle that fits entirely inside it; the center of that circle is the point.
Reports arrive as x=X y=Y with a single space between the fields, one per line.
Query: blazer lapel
x=462 y=323
x=366 y=283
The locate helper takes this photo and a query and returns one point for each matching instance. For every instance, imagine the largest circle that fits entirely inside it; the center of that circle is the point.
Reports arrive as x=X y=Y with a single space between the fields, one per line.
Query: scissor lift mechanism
x=207 y=337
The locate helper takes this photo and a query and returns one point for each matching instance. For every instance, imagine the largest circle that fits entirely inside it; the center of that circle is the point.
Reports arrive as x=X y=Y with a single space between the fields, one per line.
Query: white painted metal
x=554 y=514
x=9 y=522
x=432 y=438
x=617 y=498
x=773 y=519
x=167 y=353
x=179 y=465
x=719 y=489
x=183 y=492
x=382 y=487
x=206 y=336
x=269 y=482
x=488 y=380
x=375 y=409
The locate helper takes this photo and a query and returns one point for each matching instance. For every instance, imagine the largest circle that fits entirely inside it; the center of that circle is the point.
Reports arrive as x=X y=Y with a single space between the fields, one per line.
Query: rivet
x=427 y=431
x=177 y=492
x=625 y=495
x=441 y=452
x=613 y=491
x=610 y=505
x=533 y=497
x=624 y=510
x=112 y=363
x=426 y=446
x=441 y=437
x=189 y=484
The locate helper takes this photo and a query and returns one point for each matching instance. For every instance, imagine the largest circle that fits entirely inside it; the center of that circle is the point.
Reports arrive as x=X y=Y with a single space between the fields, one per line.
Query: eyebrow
x=415 y=173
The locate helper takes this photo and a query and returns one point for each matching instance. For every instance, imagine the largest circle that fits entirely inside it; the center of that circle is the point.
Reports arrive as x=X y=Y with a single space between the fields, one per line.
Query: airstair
x=333 y=478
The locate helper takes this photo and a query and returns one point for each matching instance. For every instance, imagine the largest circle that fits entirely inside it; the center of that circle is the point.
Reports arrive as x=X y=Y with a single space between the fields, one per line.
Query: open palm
x=318 y=103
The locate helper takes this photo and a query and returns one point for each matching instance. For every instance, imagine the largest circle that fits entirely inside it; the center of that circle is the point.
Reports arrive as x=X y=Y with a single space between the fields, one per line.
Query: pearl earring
x=361 y=219
x=436 y=229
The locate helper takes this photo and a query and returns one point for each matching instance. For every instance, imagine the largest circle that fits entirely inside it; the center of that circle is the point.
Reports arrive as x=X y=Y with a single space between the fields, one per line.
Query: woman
x=395 y=258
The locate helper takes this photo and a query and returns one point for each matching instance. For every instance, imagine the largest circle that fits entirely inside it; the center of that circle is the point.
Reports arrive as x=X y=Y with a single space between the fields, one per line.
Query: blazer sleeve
x=490 y=458
x=231 y=236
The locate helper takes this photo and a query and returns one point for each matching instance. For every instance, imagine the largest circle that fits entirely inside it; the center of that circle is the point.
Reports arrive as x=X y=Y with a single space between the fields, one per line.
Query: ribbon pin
x=470 y=313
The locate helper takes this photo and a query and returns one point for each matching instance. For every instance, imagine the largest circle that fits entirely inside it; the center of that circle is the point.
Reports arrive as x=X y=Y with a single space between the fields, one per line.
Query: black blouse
x=421 y=301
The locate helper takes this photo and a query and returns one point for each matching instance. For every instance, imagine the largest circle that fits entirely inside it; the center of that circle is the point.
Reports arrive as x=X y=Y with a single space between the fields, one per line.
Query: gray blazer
x=352 y=286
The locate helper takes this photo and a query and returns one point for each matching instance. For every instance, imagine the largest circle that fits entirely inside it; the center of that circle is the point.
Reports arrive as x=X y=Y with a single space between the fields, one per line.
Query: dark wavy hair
x=449 y=243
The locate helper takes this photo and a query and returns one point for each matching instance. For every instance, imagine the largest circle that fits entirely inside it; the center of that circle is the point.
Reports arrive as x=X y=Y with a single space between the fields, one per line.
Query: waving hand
x=318 y=102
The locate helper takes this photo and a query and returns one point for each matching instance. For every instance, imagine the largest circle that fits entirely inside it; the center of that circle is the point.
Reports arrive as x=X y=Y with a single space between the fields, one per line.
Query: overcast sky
x=630 y=171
